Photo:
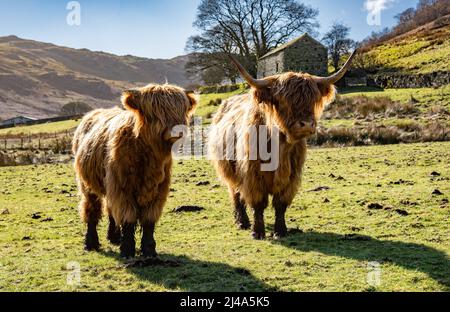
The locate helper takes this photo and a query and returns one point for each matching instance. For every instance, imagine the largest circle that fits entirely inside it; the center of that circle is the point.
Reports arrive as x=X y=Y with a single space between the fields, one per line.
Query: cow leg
x=258 y=223
x=280 y=229
x=240 y=212
x=114 y=234
x=128 y=244
x=91 y=212
x=148 y=243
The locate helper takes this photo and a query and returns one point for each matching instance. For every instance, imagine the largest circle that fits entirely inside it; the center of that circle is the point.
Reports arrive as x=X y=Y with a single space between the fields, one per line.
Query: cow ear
x=193 y=100
x=264 y=95
x=131 y=99
x=328 y=93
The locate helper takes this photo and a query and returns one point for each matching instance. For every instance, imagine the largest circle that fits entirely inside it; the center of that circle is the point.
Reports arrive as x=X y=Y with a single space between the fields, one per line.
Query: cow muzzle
x=304 y=128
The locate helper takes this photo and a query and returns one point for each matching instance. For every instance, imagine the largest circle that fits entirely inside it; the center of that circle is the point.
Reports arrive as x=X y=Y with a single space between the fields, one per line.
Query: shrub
x=61 y=145
x=407 y=131
x=215 y=102
x=336 y=136
x=6 y=160
x=384 y=135
x=363 y=107
x=437 y=110
x=436 y=132
x=221 y=89
x=366 y=106
x=408 y=125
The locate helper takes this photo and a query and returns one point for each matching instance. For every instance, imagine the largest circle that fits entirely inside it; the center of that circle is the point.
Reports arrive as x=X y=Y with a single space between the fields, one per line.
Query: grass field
x=424 y=97
x=334 y=234
x=52 y=127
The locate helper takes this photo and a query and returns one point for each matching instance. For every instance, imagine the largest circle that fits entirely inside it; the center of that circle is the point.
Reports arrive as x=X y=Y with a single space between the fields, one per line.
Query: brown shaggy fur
x=123 y=159
x=292 y=101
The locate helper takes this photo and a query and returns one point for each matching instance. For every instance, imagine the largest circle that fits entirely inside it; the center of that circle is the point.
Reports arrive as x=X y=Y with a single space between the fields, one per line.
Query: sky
x=159 y=28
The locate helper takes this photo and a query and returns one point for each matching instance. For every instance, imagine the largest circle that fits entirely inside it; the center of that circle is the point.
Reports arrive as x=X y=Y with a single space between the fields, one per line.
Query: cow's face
x=160 y=107
x=297 y=100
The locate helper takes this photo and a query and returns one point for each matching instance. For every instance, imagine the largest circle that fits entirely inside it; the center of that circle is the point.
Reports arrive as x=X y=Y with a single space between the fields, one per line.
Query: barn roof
x=17 y=117
x=288 y=44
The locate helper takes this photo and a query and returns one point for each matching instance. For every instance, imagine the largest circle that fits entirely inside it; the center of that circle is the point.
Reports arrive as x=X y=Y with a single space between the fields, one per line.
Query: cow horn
x=256 y=83
x=337 y=76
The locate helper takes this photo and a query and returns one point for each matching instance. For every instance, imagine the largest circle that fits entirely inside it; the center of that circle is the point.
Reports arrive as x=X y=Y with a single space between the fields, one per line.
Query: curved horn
x=338 y=76
x=256 y=83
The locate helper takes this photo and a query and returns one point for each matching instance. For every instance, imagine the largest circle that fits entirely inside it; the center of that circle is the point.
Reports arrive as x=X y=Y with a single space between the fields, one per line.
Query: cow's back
x=90 y=145
x=231 y=120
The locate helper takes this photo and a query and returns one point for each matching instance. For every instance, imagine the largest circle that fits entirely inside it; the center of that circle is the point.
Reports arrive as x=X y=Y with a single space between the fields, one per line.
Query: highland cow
x=123 y=164
x=290 y=103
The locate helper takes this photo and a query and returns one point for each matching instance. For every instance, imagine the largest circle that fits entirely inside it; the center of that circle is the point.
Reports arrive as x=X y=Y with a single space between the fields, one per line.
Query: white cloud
x=376 y=6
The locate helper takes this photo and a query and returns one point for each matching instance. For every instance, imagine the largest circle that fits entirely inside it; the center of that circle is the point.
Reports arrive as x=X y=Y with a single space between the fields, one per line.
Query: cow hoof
x=147 y=253
x=258 y=236
x=114 y=237
x=91 y=243
x=92 y=246
x=280 y=230
x=127 y=251
x=244 y=225
x=279 y=235
x=127 y=254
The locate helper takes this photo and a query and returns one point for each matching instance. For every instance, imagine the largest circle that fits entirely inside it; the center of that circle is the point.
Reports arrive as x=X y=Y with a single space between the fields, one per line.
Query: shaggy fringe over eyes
x=165 y=104
x=299 y=93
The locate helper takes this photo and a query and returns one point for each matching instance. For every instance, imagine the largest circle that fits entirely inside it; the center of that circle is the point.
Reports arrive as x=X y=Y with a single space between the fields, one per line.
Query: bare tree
x=75 y=108
x=247 y=28
x=406 y=16
x=214 y=68
x=338 y=42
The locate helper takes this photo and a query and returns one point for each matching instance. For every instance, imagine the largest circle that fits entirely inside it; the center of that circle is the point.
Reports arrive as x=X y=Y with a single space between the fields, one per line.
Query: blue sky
x=154 y=28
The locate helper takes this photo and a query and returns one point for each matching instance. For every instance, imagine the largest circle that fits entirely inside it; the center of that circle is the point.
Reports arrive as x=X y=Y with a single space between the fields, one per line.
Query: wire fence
x=58 y=141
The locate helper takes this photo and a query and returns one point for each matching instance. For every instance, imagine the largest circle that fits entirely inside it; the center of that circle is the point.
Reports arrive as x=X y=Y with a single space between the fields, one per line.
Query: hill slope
x=423 y=50
x=37 y=78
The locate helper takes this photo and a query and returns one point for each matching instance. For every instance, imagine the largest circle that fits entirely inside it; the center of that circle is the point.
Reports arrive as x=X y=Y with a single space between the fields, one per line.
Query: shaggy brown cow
x=290 y=102
x=123 y=163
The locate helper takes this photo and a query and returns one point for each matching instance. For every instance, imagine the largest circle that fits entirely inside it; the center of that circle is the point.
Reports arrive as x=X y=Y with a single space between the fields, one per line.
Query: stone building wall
x=430 y=80
x=307 y=56
x=303 y=55
x=268 y=65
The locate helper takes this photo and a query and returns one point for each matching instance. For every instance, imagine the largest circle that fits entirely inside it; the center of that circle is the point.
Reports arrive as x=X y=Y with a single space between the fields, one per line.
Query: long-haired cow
x=290 y=103
x=123 y=163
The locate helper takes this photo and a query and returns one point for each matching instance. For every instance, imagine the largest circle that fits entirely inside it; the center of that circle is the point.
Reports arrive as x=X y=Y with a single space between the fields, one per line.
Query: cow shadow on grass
x=411 y=256
x=186 y=274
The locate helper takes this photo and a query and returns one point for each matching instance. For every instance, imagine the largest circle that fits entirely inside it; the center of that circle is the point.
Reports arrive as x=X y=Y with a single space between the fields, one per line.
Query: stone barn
x=303 y=54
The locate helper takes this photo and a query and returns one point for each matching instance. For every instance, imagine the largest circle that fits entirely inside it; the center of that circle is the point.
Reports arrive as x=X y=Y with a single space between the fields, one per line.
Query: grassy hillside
x=379 y=208
x=424 y=50
x=37 y=79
